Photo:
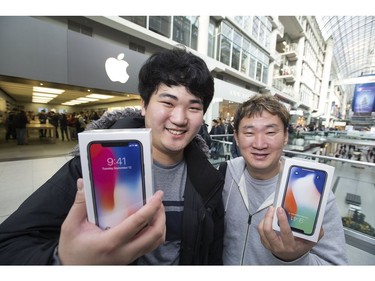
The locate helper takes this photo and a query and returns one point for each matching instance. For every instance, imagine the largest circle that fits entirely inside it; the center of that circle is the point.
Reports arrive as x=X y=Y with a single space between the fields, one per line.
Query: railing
x=224 y=152
x=330 y=158
x=358 y=135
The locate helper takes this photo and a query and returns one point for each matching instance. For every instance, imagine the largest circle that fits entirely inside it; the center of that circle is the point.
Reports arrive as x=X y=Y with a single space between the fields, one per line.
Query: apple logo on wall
x=116 y=69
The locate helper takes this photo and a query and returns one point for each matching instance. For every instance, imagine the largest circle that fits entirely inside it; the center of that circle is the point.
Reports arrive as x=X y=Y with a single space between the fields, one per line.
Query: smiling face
x=261 y=139
x=175 y=116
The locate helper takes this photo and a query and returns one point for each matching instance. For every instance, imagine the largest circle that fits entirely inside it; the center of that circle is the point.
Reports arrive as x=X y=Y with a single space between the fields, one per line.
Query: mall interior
x=321 y=68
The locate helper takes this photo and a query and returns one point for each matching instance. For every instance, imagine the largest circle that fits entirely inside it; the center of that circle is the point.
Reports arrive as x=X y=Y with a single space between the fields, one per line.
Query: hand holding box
x=302 y=192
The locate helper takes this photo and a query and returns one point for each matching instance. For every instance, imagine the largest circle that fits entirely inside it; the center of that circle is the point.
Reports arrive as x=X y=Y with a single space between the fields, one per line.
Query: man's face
x=175 y=116
x=261 y=140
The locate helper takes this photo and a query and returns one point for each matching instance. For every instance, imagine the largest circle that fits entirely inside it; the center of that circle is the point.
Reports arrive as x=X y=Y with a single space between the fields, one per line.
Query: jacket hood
x=118 y=119
x=236 y=166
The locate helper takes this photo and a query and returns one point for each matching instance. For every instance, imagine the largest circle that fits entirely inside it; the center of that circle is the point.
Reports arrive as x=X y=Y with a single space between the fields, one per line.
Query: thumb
x=78 y=210
x=80 y=196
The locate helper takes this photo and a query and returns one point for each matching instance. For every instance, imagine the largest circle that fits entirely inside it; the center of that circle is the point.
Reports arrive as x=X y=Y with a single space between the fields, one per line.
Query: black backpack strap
x=223 y=167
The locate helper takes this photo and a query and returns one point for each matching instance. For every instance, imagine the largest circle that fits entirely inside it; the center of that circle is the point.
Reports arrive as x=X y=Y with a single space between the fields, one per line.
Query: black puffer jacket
x=30 y=235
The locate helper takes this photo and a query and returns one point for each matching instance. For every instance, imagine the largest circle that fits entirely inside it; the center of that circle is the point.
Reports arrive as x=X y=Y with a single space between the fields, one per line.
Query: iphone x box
x=117 y=173
x=302 y=192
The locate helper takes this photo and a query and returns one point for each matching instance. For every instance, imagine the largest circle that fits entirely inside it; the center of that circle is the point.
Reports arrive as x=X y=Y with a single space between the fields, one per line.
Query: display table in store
x=37 y=126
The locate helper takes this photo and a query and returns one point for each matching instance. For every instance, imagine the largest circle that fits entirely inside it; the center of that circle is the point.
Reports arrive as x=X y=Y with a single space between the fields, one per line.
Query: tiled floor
x=20 y=178
x=24 y=168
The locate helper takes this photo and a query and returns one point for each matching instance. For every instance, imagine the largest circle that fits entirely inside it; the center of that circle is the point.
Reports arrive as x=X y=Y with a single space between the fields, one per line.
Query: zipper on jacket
x=249 y=220
x=247 y=234
x=202 y=215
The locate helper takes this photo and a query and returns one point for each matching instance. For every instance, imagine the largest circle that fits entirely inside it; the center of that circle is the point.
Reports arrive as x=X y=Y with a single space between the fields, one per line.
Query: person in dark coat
x=217 y=148
x=63 y=122
x=42 y=117
x=9 y=125
x=54 y=120
x=20 y=122
x=235 y=150
x=51 y=226
x=203 y=131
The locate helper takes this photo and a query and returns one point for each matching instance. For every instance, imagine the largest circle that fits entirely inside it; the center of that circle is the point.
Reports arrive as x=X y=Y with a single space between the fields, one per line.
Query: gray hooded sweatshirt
x=242 y=244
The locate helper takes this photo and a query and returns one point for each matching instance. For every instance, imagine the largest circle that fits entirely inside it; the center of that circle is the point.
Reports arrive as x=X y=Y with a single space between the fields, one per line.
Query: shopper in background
x=235 y=150
x=203 y=131
x=42 y=117
x=72 y=126
x=228 y=130
x=260 y=130
x=9 y=124
x=94 y=116
x=63 y=123
x=20 y=122
x=217 y=148
x=80 y=122
x=53 y=119
x=51 y=226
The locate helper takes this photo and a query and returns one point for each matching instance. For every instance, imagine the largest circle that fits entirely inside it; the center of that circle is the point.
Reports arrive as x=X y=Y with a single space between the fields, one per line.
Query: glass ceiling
x=354 y=43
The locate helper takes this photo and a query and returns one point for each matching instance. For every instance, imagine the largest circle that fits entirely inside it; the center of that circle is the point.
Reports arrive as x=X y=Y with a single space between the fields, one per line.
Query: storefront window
x=245 y=62
x=247 y=24
x=236 y=57
x=211 y=40
x=252 y=68
x=194 y=35
x=225 y=43
x=181 y=30
x=227 y=109
x=140 y=20
x=160 y=25
x=185 y=30
x=225 y=50
x=259 y=72
x=265 y=74
x=255 y=27
x=236 y=51
x=238 y=20
x=261 y=30
x=262 y=34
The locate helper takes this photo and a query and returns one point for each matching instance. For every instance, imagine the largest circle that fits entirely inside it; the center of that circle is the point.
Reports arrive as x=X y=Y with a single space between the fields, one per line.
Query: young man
x=51 y=226
x=260 y=130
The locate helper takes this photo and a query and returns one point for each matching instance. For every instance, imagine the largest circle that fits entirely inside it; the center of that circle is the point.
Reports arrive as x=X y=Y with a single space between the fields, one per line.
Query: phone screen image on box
x=117 y=180
x=302 y=198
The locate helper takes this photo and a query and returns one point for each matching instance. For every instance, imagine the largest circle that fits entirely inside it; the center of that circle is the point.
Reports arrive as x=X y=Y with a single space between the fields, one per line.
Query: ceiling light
x=48 y=90
x=87 y=99
x=35 y=94
x=73 y=102
x=99 y=96
x=42 y=98
x=68 y=103
x=76 y=102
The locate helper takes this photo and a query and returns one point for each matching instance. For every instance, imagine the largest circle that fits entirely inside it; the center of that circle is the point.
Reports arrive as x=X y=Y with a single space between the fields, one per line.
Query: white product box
x=302 y=191
x=117 y=173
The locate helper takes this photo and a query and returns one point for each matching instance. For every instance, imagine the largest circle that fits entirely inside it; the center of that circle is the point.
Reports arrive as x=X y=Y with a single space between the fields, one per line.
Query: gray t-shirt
x=172 y=180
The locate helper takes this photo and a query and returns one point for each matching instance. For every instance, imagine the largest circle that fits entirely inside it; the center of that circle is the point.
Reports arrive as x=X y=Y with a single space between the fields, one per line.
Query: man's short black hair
x=176 y=67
